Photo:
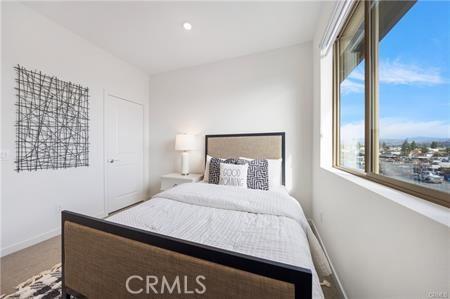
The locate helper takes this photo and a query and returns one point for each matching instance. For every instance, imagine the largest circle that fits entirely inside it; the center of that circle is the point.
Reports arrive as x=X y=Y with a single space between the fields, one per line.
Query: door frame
x=106 y=94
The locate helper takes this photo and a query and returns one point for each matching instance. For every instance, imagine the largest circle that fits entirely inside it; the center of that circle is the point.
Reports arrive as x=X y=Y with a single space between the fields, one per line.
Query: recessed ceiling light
x=187 y=26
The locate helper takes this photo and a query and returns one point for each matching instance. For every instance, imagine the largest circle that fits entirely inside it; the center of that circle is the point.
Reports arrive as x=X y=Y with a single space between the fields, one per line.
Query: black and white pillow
x=258 y=173
x=214 y=169
x=275 y=172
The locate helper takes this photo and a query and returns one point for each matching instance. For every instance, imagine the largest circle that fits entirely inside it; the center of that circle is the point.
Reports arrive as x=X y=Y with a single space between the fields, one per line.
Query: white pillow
x=206 y=172
x=275 y=172
x=233 y=175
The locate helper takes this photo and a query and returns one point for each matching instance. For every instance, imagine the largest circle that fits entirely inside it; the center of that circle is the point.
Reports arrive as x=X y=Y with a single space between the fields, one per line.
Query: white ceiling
x=150 y=35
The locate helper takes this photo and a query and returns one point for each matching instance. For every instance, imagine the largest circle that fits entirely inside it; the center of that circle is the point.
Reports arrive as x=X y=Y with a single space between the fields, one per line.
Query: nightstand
x=172 y=179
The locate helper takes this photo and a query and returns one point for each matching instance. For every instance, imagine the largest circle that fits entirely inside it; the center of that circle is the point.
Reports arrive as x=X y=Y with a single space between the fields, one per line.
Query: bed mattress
x=264 y=224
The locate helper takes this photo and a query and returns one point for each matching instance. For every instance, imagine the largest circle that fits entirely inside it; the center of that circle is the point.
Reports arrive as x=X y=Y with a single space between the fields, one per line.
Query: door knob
x=112 y=161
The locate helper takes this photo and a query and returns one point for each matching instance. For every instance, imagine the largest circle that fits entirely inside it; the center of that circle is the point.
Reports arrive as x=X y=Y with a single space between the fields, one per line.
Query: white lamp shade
x=184 y=142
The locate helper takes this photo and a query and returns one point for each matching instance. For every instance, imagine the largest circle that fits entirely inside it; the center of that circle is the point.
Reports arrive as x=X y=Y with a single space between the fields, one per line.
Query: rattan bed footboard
x=102 y=259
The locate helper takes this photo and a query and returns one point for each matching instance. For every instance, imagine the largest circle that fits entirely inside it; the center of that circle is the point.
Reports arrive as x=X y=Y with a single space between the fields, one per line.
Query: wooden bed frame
x=99 y=258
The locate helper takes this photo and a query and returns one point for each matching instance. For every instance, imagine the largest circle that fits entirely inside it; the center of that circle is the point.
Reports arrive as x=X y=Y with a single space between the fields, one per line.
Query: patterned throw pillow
x=214 y=169
x=233 y=175
x=258 y=173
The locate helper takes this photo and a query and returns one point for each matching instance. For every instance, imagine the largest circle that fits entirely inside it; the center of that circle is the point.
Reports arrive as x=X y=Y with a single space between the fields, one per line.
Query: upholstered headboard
x=251 y=145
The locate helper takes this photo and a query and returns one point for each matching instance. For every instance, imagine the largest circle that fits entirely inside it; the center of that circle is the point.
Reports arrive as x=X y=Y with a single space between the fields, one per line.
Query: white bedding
x=265 y=224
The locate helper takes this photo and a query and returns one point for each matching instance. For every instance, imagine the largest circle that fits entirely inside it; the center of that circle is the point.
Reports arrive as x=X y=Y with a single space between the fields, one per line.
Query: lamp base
x=185 y=163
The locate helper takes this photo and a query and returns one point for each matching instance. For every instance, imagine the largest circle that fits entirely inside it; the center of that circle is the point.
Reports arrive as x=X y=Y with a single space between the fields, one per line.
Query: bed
x=198 y=240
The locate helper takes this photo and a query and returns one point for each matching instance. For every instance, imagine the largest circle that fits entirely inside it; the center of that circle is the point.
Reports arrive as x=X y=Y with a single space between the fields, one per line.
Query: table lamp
x=184 y=143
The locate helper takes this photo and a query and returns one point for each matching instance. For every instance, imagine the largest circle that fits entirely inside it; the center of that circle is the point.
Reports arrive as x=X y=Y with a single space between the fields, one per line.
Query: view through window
x=410 y=100
x=414 y=92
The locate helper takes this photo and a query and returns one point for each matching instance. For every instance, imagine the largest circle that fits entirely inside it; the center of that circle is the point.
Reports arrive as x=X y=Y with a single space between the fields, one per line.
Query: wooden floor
x=24 y=264
x=21 y=265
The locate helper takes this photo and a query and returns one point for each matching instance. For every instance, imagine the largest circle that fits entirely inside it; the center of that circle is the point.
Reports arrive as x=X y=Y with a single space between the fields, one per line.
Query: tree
x=406 y=148
x=434 y=144
x=424 y=149
x=413 y=145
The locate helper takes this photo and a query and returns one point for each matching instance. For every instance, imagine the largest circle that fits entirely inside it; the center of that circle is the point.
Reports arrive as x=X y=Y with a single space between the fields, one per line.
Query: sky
x=414 y=74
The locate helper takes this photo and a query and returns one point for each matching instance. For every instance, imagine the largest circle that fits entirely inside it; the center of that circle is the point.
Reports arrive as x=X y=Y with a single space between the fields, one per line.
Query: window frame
x=371 y=113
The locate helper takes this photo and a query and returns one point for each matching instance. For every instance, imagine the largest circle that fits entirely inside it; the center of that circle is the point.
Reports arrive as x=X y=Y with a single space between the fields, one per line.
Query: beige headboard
x=253 y=145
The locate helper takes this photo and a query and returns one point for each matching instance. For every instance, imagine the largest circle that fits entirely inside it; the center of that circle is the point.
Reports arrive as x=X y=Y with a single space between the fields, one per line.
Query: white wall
x=264 y=92
x=380 y=249
x=30 y=199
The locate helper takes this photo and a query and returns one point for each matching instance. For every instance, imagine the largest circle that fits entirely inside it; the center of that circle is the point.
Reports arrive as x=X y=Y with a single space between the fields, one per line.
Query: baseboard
x=316 y=231
x=30 y=242
x=37 y=239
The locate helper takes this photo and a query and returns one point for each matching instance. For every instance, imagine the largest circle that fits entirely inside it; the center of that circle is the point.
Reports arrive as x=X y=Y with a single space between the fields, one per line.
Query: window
x=392 y=96
x=350 y=49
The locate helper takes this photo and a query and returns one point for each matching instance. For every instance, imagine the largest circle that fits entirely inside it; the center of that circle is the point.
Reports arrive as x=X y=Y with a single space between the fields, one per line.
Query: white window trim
x=340 y=12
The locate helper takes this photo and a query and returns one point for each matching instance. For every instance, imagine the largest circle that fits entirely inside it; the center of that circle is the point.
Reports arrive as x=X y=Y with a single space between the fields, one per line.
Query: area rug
x=45 y=285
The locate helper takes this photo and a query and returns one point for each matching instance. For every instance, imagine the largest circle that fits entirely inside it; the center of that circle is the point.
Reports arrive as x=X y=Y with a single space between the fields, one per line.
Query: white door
x=124 y=143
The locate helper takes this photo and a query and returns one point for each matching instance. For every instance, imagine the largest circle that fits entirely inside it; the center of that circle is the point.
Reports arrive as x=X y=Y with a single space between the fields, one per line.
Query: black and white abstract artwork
x=52 y=122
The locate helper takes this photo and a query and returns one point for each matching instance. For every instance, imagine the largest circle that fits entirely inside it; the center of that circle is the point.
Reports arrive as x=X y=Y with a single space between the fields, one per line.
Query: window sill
x=428 y=209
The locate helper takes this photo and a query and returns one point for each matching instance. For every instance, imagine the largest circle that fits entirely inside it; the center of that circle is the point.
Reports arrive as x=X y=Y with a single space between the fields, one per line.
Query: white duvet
x=265 y=224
